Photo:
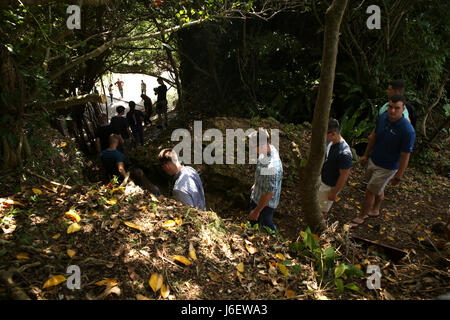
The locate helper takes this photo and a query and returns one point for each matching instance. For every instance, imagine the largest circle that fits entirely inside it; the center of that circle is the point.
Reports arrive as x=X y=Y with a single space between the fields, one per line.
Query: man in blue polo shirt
x=188 y=188
x=266 y=190
x=389 y=156
x=336 y=168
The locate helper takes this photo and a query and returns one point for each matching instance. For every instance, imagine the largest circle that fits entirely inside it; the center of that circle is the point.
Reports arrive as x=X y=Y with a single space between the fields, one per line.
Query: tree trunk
x=14 y=141
x=310 y=173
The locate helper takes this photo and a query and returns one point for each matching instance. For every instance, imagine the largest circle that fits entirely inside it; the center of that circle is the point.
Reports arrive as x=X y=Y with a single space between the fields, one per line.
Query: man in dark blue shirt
x=389 y=156
x=113 y=160
x=336 y=168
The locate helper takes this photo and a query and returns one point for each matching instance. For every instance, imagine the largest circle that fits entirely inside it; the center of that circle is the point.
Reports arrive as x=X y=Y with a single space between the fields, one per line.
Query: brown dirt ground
x=107 y=248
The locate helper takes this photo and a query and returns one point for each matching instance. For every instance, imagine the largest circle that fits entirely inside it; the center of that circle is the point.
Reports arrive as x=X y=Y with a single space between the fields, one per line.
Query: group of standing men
x=161 y=102
x=387 y=155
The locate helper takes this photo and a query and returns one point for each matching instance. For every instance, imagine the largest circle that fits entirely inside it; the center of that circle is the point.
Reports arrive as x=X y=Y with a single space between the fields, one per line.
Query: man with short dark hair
x=188 y=188
x=135 y=118
x=161 y=102
x=266 y=190
x=389 y=150
x=102 y=134
x=395 y=87
x=336 y=168
x=120 y=126
x=113 y=160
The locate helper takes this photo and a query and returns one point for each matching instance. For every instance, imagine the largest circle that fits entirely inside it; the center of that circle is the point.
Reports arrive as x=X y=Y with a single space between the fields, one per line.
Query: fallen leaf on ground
x=36 y=191
x=56 y=236
x=289 y=294
x=182 y=259
x=214 y=276
x=54 y=281
x=240 y=267
x=74 y=227
x=110 y=282
x=156 y=281
x=280 y=256
x=72 y=215
x=250 y=249
x=192 y=253
x=71 y=253
x=283 y=269
x=165 y=291
x=22 y=256
x=111 y=201
x=141 y=297
x=178 y=221
x=169 y=224
x=132 y=225
x=117 y=190
x=10 y=202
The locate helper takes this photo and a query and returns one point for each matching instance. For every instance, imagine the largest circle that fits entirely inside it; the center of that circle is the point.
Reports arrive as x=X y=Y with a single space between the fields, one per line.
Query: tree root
x=15 y=292
x=47 y=180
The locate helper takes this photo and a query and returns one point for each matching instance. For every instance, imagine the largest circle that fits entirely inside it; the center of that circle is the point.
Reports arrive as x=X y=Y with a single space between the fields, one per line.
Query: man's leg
x=253 y=205
x=375 y=210
x=369 y=201
x=265 y=218
x=324 y=203
x=141 y=135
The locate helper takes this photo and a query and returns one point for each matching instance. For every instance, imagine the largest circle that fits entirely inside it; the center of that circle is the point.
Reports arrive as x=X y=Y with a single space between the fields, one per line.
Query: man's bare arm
x=403 y=164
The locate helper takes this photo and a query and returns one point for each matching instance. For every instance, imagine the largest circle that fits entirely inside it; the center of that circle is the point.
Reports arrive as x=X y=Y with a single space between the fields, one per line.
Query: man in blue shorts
x=389 y=152
x=188 y=188
x=336 y=168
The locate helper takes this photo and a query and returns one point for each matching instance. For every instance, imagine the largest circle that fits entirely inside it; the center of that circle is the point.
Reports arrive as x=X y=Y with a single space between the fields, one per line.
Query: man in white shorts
x=389 y=156
x=336 y=168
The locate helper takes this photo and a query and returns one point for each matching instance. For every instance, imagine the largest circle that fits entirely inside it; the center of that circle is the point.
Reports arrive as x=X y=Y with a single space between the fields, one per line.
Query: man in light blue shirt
x=188 y=188
x=266 y=190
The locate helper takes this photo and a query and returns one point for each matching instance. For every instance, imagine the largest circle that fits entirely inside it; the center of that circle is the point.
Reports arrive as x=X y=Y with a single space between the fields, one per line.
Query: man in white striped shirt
x=266 y=190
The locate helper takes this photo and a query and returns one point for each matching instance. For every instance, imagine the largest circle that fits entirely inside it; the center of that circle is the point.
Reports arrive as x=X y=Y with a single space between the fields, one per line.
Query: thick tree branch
x=115 y=42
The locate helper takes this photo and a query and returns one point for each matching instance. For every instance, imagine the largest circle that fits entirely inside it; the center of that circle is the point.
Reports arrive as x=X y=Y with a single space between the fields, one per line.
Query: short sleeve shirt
x=110 y=160
x=119 y=126
x=392 y=138
x=338 y=157
x=188 y=188
x=268 y=178
x=135 y=118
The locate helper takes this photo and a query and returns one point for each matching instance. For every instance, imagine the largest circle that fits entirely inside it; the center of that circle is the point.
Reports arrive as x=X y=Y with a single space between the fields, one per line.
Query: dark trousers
x=138 y=133
x=265 y=216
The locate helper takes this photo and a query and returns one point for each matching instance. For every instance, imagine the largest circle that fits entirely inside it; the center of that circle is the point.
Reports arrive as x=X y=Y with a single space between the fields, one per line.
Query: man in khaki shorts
x=335 y=169
x=389 y=151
